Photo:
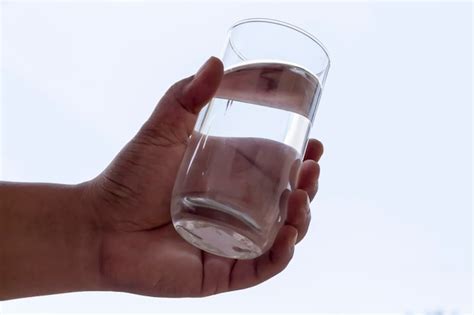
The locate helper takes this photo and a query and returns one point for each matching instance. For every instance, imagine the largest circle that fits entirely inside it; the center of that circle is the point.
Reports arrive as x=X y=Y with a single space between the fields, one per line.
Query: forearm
x=48 y=242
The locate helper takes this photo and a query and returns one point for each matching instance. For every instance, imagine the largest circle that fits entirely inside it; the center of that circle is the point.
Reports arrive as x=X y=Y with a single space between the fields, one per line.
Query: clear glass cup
x=242 y=161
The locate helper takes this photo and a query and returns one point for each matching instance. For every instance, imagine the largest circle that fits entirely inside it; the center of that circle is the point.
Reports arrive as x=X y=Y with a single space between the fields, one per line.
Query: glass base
x=214 y=229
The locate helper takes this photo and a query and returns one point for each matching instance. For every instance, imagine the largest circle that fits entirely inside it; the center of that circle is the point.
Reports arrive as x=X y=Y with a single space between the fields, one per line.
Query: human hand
x=140 y=251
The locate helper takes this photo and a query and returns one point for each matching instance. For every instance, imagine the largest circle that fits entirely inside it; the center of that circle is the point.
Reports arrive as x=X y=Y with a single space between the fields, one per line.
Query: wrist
x=86 y=243
x=49 y=240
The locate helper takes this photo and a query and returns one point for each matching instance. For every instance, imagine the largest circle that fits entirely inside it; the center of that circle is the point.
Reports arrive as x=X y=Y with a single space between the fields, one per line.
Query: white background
x=391 y=226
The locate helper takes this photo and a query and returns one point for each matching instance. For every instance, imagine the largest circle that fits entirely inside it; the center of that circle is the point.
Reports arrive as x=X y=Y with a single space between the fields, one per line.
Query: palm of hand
x=140 y=250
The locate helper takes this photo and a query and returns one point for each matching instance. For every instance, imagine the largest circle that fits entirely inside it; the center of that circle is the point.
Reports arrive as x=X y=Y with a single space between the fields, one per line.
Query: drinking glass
x=243 y=158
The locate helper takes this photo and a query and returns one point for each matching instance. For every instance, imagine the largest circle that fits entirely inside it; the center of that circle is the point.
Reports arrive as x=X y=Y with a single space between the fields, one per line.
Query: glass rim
x=284 y=24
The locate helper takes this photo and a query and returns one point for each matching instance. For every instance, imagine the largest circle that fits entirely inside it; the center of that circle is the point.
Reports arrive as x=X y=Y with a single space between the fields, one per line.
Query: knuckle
x=165 y=135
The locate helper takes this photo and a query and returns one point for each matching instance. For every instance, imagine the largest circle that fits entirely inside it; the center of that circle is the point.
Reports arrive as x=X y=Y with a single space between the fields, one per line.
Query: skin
x=114 y=232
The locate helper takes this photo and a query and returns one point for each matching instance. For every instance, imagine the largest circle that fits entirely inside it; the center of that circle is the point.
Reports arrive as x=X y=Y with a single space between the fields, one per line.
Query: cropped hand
x=141 y=252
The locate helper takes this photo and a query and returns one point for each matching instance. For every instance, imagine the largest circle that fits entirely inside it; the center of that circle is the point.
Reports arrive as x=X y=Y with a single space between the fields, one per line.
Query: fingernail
x=295 y=237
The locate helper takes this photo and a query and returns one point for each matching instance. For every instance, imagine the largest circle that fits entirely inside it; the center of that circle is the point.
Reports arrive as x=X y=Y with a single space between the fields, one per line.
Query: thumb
x=173 y=120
